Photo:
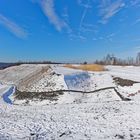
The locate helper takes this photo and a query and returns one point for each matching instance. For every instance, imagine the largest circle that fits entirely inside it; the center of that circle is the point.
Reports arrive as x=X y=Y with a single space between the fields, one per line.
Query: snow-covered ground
x=13 y=75
x=78 y=116
x=127 y=72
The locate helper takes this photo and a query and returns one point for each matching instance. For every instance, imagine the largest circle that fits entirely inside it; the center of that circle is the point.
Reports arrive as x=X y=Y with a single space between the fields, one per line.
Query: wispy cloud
x=89 y=28
x=86 y=4
x=83 y=17
x=108 y=9
x=136 y=22
x=65 y=15
x=49 y=11
x=111 y=35
x=13 y=27
x=79 y=37
x=135 y=2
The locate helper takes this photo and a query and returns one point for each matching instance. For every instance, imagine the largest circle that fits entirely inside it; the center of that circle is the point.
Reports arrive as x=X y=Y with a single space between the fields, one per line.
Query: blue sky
x=68 y=30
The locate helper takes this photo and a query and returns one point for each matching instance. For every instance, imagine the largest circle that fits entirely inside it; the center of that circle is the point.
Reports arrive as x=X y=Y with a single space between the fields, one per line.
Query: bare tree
x=138 y=59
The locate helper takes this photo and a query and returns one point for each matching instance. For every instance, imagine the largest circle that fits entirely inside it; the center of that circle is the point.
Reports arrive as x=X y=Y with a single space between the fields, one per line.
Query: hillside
x=71 y=115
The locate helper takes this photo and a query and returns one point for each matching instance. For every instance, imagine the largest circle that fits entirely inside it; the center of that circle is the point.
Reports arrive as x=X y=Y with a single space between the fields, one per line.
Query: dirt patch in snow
x=23 y=95
x=123 y=82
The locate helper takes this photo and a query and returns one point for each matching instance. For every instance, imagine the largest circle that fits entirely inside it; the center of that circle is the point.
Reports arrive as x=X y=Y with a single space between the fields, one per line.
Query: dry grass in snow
x=88 y=67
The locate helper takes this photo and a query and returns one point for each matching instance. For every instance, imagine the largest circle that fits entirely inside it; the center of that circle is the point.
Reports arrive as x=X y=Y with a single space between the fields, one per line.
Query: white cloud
x=109 y=9
x=12 y=27
x=49 y=10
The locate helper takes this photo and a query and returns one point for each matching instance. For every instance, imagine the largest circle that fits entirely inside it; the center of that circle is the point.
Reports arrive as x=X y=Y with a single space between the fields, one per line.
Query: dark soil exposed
x=52 y=95
x=123 y=82
x=23 y=95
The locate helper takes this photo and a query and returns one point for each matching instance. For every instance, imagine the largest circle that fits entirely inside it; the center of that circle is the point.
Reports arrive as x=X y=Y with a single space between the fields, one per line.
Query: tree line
x=110 y=59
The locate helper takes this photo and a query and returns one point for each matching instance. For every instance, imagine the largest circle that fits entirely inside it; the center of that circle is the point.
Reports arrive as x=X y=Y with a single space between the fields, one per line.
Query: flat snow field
x=73 y=116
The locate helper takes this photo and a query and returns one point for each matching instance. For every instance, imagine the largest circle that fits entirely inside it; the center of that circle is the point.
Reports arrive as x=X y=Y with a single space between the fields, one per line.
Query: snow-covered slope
x=13 y=75
x=49 y=82
x=88 y=81
x=75 y=116
x=101 y=120
x=126 y=72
